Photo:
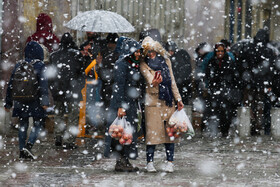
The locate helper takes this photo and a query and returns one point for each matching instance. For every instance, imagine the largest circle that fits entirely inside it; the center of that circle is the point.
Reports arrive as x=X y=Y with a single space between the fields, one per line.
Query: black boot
x=27 y=151
x=120 y=164
x=123 y=165
x=22 y=155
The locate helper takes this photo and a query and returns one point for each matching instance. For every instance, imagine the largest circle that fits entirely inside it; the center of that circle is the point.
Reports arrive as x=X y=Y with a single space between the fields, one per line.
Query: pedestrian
x=257 y=72
x=221 y=82
x=200 y=92
x=105 y=72
x=182 y=70
x=97 y=44
x=91 y=50
x=106 y=68
x=44 y=33
x=91 y=62
x=66 y=85
x=124 y=102
x=35 y=107
x=161 y=96
x=211 y=54
x=201 y=51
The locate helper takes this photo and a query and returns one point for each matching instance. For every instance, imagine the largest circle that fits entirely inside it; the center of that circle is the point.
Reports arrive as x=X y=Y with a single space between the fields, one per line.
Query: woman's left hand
x=180 y=105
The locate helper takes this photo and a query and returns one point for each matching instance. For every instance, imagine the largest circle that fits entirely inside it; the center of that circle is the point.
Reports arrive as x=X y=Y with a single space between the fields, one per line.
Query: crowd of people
x=245 y=76
x=119 y=76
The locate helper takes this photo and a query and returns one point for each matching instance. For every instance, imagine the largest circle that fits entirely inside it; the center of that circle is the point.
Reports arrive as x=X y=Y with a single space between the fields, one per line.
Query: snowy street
x=75 y=70
x=198 y=162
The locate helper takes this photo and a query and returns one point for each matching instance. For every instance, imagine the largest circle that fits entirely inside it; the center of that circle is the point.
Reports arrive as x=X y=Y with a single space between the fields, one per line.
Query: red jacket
x=44 y=34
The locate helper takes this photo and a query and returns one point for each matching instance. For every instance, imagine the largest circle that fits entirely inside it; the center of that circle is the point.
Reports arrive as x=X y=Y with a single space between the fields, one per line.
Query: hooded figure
x=182 y=70
x=33 y=54
x=106 y=68
x=257 y=61
x=257 y=73
x=125 y=96
x=160 y=98
x=69 y=80
x=44 y=34
x=66 y=85
x=201 y=51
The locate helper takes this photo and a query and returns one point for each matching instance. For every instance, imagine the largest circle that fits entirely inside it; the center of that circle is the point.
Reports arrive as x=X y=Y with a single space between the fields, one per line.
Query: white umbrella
x=100 y=21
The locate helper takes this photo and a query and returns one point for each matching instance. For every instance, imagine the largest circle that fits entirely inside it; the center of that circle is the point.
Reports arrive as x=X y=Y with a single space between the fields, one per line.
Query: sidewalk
x=198 y=162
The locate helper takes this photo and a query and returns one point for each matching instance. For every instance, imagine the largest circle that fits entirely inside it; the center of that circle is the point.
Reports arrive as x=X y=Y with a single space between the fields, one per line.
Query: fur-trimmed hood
x=150 y=44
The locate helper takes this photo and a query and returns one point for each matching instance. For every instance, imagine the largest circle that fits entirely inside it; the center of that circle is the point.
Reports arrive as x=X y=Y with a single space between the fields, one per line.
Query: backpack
x=25 y=86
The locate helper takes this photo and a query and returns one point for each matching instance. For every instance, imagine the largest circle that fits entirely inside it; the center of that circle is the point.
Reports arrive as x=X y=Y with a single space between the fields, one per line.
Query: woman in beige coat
x=160 y=98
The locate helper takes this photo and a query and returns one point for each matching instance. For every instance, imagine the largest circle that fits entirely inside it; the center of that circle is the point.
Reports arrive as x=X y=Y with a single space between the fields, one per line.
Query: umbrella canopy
x=100 y=21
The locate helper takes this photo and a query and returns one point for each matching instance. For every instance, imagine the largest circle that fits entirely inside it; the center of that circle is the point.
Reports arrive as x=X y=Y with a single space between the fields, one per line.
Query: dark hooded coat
x=105 y=72
x=257 y=62
x=126 y=92
x=223 y=93
x=222 y=79
x=69 y=79
x=33 y=54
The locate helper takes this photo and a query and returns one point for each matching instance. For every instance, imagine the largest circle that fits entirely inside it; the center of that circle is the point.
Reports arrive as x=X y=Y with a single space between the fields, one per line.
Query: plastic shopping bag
x=179 y=124
x=116 y=128
x=121 y=130
x=127 y=136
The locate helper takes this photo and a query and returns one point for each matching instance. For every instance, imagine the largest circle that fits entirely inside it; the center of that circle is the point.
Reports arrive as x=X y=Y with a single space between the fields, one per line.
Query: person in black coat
x=182 y=70
x=221 y=80
x=124 y=102
x=107 y=67
x=201 y=51
x=66 y=85
x=257 y=72
x=37 y=109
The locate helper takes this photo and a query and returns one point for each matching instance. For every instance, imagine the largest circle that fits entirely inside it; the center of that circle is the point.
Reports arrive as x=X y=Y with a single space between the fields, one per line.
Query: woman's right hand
x=121 y=112
x=157 y=81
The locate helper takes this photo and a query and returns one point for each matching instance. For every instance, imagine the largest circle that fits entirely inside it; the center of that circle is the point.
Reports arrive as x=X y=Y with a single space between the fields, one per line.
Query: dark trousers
x=22 y=133
x=169 y=149
x=219 y=114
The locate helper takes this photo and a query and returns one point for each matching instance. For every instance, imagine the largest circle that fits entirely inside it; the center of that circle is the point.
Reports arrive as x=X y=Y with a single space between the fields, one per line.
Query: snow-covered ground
x=198 y=162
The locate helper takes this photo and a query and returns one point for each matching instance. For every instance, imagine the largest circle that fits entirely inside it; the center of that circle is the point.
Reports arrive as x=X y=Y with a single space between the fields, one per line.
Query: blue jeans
x=169 y=149
x=22 y=133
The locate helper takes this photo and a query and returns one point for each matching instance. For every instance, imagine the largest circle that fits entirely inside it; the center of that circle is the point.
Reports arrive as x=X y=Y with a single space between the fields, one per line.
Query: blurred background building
x=243 y=18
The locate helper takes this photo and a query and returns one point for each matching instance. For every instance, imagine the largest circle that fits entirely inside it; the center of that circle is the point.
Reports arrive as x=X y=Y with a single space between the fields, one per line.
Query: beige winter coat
x=156 y=111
